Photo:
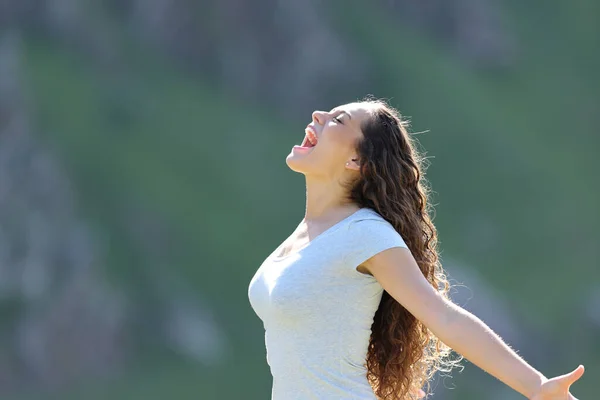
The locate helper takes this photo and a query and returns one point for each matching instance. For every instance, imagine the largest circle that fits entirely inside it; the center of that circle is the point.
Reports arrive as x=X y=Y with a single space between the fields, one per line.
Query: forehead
x=357 y=111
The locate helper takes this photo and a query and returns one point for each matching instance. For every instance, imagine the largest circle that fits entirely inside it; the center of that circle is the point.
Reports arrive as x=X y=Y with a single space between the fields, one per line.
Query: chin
x=299 y=159
x=300 y=163
x=295 y=164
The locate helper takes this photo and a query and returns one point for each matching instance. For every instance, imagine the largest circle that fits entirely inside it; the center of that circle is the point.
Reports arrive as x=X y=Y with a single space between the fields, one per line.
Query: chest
x=305 y=292
x=296 y=244
x=292 y=245
x=297 y=285
x=300 y=239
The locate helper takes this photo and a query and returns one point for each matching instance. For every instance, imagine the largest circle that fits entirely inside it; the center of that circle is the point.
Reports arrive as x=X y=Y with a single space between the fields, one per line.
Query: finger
x=578 y=373
x=572 y=377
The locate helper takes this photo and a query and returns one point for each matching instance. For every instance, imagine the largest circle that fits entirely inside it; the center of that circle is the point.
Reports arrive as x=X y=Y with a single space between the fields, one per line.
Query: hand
x=420 y=394
x=558 y=388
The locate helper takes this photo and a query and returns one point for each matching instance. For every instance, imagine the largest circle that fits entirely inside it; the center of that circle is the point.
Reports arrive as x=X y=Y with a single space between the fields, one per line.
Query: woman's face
x=330 y=142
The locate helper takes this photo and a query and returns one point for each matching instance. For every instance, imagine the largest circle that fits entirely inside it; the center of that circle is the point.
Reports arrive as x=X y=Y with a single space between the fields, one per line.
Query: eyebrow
x=343 y=112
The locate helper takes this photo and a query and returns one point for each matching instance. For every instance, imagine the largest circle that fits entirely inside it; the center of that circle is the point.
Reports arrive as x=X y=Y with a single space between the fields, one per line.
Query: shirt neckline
x=329 y=230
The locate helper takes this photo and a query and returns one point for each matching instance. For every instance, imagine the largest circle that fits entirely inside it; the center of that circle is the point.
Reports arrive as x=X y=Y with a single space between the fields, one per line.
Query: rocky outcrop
x=474 y=29
x=61 y=320
x=283 y=52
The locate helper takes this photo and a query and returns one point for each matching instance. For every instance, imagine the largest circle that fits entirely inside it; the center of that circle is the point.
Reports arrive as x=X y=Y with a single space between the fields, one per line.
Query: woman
x=354 y=303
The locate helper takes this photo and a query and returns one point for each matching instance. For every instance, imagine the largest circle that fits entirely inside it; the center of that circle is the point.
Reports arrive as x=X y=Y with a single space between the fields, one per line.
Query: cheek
x=333 y=153
x=342 y=144
x=338 y=137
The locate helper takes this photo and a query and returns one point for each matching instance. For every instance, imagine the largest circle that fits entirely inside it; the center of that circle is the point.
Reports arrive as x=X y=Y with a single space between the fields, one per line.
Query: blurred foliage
x=513 y=149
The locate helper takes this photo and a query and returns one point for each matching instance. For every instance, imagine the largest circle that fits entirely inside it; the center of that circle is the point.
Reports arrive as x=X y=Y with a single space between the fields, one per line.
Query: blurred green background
x=143 y=178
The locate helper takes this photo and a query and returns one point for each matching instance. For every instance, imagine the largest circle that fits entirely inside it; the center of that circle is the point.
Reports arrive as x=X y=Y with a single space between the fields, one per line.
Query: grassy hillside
x=513 y=148
x=513 y=152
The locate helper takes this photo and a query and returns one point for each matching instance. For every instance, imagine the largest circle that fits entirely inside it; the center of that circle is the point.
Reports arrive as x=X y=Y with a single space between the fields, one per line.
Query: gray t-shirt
x=317 y=310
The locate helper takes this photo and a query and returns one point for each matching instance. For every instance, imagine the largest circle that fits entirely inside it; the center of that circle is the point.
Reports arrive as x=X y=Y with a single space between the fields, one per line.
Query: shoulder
x=370 y=225
x=369 y=234
x=369 y=219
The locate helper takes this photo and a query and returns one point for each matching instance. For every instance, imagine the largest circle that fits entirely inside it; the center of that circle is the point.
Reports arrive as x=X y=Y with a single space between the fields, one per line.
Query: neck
x=326 y=198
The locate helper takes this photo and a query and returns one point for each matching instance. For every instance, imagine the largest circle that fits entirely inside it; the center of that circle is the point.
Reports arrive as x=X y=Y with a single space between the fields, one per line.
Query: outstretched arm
x=398 y=273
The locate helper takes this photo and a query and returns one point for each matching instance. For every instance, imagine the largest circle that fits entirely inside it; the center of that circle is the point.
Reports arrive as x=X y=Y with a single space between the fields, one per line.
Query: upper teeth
x=312 y=138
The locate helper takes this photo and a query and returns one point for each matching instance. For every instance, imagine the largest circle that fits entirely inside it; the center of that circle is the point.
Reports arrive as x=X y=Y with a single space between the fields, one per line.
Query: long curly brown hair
x=403 y=353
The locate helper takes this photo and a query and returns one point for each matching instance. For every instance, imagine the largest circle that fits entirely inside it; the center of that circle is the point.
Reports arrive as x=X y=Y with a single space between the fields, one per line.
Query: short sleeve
x=367 y=237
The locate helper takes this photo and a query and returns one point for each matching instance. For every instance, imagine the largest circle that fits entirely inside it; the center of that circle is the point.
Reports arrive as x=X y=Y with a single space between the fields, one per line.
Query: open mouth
x=310 y=139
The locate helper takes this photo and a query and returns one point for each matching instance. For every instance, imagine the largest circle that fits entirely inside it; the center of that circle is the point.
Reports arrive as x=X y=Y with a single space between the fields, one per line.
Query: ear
x=353 y=164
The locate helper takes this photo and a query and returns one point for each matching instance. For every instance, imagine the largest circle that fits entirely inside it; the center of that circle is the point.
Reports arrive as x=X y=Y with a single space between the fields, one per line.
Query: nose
x=319 y=117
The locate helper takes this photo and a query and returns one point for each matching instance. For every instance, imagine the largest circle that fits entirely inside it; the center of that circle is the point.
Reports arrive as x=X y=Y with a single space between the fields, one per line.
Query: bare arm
x=398 y=273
